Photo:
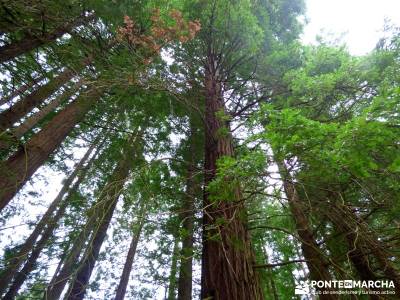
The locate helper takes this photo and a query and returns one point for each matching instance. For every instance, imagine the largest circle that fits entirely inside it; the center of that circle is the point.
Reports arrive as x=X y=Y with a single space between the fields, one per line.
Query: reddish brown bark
x=362 y=242
x=22 y=165
x=16 y=112
x=316 y=262
x=227 y=258
x=30 y=42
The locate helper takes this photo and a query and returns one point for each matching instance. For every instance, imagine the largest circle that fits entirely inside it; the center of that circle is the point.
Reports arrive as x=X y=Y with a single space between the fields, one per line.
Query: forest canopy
x=193 y=149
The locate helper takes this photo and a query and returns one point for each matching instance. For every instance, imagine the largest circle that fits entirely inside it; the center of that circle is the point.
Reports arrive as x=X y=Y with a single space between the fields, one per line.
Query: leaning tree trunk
x=30 y=42
x=187 y=219
x=124 y=280
x=14 y=135
x=109 y=199
x=227 y=270
x=16 y=112
x=361 y=242
x=46 y=221
x=21 y=90
x=61 y=277
x=52 y=223
x=22 y=165
x=33 y=120
x=317 y=265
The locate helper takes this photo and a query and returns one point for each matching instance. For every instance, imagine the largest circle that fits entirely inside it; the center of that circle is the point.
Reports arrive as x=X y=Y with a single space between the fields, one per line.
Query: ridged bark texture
x=227 y=258
x=316 y=262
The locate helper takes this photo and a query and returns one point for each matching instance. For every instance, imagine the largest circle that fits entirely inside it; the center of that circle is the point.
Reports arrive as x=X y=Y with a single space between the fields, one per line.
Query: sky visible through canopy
x=362 y=21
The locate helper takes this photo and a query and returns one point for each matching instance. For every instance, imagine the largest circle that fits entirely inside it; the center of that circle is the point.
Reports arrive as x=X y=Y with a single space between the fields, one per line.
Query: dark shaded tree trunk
x=361 y=243
x=31 y=42
x=22 y=165
x=269 y=272
x=187 y=217
x=108 y=202
x=79 y=172
x=173 y=271
x=60 y=278
x=227 y=270
x=19 y=91
x=16 y=112
x=316 y=262
x=46 y=221
x=124 y=280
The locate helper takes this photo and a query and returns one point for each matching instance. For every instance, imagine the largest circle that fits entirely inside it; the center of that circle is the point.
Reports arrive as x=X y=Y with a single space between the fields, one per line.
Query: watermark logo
x=357 y=287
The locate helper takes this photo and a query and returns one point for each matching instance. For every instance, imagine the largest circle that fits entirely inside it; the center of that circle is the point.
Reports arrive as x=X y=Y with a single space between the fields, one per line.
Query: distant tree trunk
x=227 y=270
x=124 y=280
x=16 y=112
x=9 y=272
x=30 y=42
x=108 y=202
x=173 y=271
x=52 y=223
x=60 y=278
x=187 y=217
x=19 y=91
x=16 y=133
x=317 y=265
x=270 y=274
x=22 y=165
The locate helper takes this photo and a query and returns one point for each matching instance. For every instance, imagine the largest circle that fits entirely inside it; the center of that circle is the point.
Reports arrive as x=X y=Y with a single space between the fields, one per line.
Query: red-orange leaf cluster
x=159 y=35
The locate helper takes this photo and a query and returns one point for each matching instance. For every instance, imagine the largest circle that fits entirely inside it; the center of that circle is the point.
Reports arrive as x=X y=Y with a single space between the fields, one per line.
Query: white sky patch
x=361 y=20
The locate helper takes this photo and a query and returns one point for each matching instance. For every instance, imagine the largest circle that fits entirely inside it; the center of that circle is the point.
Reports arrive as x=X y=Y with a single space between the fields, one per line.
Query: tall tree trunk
x=22 y=165
x=173 y=271
x=362 y=242
x=108 y=202
x=124 y=280
x=30 y=42
x=227 y=269
x=16 y=133
x=16 y=112
x=317 y=265
x=9 y=272
x=187 y=217
x=52 y=221
x=19 y=91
